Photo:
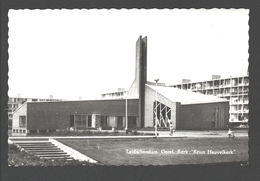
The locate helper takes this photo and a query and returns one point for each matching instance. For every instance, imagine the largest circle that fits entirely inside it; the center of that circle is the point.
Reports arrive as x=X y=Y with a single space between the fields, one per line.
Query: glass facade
x=82 y=121
x=161 y=115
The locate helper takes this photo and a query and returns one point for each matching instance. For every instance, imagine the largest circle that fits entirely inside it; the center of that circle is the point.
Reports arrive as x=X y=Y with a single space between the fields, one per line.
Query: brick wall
x=56 y=115
x=200 y=116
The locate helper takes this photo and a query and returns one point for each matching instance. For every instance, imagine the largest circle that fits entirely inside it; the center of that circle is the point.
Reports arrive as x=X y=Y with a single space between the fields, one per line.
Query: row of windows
x=25 y=99
x=17 y=99
x=12 y=105
x=29 y=99
x=239 y=108
x=245 y=90
x=19 y=131
x=215 y=83
x=115 y=94
x=132 y=122
x=103 y=121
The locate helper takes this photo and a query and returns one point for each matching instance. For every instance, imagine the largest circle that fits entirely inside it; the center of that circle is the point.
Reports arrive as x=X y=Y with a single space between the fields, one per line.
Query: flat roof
x=90 y=100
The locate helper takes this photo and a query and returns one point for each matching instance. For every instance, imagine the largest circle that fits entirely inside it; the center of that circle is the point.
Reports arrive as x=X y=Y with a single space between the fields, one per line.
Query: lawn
x=167 y=151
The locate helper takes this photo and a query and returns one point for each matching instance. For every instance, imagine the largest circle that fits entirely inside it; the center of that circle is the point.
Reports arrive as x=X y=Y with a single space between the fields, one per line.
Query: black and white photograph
x=128 y=87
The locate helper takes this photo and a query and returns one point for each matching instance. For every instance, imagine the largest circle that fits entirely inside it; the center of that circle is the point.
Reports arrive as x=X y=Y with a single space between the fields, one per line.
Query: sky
x=72 y=53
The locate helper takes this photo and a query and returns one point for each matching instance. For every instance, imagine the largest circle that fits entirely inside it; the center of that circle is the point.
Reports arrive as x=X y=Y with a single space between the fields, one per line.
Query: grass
x=116 y=152
x=17 y=157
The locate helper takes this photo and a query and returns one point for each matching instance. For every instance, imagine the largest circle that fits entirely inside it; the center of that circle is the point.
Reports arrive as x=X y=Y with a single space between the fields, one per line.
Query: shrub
x=107 y=128
x=13 y=147
x=134 y=132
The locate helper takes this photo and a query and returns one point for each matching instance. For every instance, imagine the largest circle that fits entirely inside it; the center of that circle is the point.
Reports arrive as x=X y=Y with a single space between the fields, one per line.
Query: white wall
x=16 y=130
x=150 y=96
x=22 y=111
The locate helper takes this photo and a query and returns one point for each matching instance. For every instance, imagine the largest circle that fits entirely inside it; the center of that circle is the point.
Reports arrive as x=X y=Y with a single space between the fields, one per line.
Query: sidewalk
x=161 y=134
x=100 y=137
x=191 y=134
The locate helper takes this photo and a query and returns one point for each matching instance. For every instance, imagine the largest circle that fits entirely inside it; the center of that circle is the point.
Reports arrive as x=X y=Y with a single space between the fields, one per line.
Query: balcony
x=237 y=121
x=236 y=102
x=228 y=85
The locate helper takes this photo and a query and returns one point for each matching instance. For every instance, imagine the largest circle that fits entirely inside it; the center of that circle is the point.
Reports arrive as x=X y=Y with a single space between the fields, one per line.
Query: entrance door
x=218 y=120
x=120 y=121
x=71 y=120
x=103 y=121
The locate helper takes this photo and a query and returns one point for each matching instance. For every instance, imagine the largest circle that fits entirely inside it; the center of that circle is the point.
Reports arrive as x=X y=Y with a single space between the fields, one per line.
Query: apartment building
x=235 y=89
x=16 y=102
x=119 y=94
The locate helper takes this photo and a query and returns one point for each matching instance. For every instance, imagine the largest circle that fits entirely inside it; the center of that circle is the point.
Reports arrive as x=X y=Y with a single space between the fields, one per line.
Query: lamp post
x=156 y=80
x=126 y=120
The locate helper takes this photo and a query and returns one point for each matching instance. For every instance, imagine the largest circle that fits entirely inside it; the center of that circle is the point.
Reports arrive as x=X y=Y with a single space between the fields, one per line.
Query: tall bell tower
x=137 y=89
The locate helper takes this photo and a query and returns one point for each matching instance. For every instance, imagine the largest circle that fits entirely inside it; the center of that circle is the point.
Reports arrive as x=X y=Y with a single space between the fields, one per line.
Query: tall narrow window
x=216 y=122
x=120 y=121
x=22 y=121
x=89 y=121
x=71 y=120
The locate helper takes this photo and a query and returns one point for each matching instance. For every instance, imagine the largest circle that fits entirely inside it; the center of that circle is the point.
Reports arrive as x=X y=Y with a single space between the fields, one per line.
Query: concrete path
x=162 y=134
x=103 y=137
x=196 y=134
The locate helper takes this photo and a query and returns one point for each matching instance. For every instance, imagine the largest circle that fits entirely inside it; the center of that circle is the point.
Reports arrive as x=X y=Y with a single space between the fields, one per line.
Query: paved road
x=199 y=133
x=204 y=134
x=162 y=134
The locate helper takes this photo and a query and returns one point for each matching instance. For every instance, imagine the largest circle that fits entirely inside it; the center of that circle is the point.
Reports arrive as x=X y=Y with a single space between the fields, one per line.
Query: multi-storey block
x=235 y=89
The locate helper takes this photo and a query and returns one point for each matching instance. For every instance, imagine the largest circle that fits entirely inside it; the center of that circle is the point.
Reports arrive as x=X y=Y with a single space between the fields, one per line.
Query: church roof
x=185 y=96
